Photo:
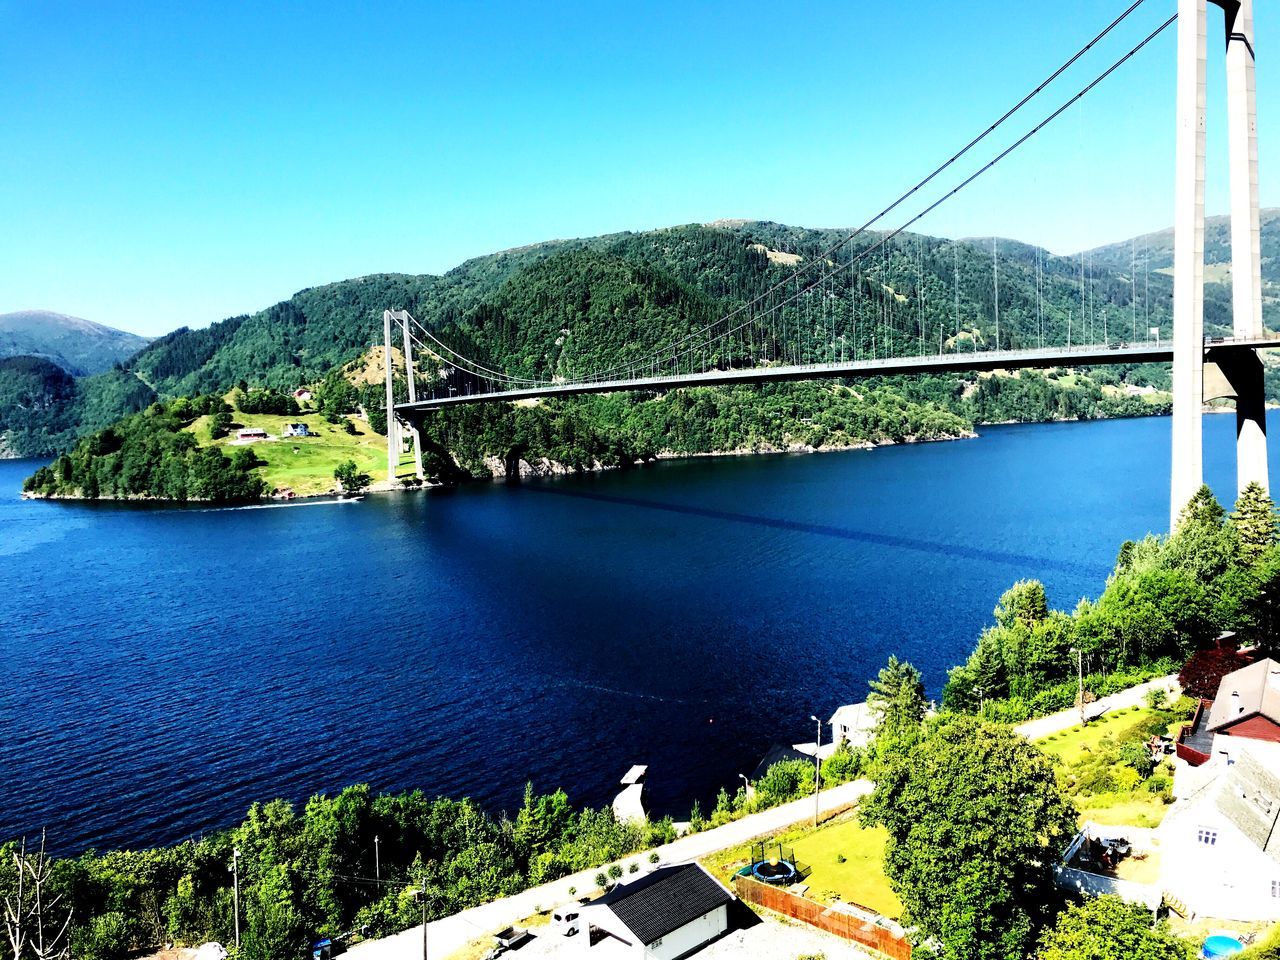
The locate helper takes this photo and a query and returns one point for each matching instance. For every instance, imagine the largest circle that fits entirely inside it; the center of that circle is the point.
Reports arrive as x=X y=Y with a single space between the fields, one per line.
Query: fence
x=842 y=923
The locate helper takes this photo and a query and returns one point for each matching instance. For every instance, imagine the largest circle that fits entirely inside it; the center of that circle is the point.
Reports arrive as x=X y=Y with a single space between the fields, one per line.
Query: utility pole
x=424 y=917
x=817 y=769
x=235 y=881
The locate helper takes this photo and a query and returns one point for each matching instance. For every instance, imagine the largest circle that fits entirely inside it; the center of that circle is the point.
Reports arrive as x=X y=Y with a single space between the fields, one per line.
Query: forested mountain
x=78 y=346
x=565 y=308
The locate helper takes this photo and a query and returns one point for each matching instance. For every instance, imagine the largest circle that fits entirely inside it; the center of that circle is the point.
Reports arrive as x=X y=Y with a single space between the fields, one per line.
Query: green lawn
x=1071 y=745
x=859 y=879
x=1082 y=755
x=306 y=464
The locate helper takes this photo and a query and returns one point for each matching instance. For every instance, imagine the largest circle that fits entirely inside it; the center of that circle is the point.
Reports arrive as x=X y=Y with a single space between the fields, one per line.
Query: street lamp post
x=377 y=861
x=817 y=769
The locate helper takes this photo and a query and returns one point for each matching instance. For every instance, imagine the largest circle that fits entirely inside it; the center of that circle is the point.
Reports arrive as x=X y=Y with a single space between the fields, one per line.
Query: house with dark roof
x=1247 y=706
x=665 y=915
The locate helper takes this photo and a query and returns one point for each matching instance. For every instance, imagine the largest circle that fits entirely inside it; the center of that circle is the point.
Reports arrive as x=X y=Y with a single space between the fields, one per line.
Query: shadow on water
x=936 y=548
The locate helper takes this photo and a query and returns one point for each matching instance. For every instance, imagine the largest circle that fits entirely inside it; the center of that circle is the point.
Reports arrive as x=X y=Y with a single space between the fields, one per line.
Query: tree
x=1107 y=928
x=1264 y=607
x=273 y=926
x=783 y=781
x=1255 y=524
x=976 y=821
x=897 y=697
x=1204 y=670
x=1203 y=544
x=35 y=921
x=1023 y=603
x=350 y=478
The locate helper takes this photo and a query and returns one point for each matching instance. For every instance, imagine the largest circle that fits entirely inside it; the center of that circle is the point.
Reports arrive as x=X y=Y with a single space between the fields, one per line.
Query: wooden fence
x=843 y=924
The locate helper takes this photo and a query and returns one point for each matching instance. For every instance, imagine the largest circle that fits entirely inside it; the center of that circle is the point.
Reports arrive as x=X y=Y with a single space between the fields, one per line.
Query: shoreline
x=543 y=469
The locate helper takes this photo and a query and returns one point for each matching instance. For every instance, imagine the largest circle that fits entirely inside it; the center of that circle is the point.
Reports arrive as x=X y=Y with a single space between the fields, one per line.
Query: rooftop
x=665 y=900
x=1250 y=691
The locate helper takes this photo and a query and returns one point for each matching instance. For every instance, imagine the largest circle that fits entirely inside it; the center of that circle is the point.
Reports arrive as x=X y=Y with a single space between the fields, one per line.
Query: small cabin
x=302 y=393
x=296 y=430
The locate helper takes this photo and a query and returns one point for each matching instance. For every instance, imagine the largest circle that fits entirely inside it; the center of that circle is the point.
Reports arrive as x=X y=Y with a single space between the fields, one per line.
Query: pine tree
x=1255 y=522
x=897 y=697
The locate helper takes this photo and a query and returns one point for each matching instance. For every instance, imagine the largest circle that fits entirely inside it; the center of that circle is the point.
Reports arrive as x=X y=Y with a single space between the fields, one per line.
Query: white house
x=664 y=915
x=854 y=723
x=1219 y=843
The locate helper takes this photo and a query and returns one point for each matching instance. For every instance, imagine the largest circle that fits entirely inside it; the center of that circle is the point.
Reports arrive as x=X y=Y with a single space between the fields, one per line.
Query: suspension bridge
x=840 y=314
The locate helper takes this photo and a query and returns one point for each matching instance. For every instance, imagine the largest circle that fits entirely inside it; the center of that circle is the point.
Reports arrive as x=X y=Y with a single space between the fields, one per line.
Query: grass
x=1071 y=746
x=1079 y=749
x=858 y=879
x=306 y=464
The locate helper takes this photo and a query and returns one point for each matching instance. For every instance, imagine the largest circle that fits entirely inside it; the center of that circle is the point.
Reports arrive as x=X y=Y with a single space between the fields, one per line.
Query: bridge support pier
x=1235 y=373
x=393 y=433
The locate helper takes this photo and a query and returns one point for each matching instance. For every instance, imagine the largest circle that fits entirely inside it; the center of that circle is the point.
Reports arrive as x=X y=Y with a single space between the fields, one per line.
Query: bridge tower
x=1200 y=375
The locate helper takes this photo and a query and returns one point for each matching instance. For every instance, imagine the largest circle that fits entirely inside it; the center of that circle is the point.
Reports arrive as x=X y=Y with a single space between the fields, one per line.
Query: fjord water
x=165 y=667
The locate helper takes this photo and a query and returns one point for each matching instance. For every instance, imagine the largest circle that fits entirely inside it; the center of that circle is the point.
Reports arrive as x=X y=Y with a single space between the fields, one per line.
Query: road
x=1066 y=719
x=449 y=934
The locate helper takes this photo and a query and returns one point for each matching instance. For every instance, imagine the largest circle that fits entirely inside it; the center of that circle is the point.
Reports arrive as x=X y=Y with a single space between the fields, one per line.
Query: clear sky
x=177 y=163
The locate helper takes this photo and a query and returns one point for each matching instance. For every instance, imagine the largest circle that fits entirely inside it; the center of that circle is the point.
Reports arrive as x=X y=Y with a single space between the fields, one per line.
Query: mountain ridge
x=81 y=347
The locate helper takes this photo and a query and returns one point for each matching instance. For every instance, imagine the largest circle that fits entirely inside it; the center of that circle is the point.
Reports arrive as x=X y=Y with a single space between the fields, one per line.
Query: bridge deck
x=1161 y=351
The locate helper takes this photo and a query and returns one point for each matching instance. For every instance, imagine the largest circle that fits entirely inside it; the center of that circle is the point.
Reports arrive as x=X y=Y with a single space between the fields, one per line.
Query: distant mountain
x=81 y=347
x=1153 y=253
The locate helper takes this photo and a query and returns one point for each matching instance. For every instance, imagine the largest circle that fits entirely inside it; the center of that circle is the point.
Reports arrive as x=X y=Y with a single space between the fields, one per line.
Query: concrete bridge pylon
x=1224 y=371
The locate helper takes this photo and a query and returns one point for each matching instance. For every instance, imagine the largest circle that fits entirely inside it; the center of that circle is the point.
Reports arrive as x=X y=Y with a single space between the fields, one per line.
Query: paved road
x=1066 y=719
x=449 y=934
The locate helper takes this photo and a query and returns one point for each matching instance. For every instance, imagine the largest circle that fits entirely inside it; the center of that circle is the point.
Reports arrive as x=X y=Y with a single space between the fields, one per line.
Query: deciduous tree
x=976 y=821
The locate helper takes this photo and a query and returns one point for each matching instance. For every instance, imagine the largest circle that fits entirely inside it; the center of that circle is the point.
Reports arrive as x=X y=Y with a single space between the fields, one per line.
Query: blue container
x=1220 y=946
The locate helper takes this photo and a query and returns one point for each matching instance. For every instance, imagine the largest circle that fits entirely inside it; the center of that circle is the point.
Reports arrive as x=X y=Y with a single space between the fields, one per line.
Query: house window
x=1275 y=889
x=1207 y=836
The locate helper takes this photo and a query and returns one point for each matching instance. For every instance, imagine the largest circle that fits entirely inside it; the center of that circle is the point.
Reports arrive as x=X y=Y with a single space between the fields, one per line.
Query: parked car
x=327 y=949
x=564 y=920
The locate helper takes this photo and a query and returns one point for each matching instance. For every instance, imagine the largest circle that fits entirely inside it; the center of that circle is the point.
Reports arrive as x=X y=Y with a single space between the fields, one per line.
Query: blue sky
x=169 y=164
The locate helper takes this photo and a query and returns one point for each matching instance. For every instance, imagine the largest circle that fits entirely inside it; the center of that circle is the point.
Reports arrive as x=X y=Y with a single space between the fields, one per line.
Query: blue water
x=163 y=668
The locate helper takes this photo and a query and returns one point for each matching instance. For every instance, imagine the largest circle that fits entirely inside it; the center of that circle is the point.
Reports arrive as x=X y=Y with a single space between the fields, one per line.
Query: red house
x=1247 y=705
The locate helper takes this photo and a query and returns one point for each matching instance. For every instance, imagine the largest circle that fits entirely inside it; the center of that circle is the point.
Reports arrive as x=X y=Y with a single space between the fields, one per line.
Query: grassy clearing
x=858 y=879
x=1072 y=745
x=306 y=464
x=1105 y=789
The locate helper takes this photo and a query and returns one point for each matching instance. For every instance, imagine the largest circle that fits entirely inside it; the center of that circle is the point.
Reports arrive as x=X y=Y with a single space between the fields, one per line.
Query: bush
x=1159 y=784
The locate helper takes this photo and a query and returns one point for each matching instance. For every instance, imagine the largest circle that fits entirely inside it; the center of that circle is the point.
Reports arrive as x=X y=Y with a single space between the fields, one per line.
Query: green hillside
x=564 y=308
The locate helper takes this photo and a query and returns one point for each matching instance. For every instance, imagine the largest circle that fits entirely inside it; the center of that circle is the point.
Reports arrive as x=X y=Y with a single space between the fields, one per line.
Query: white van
x=564 y=920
